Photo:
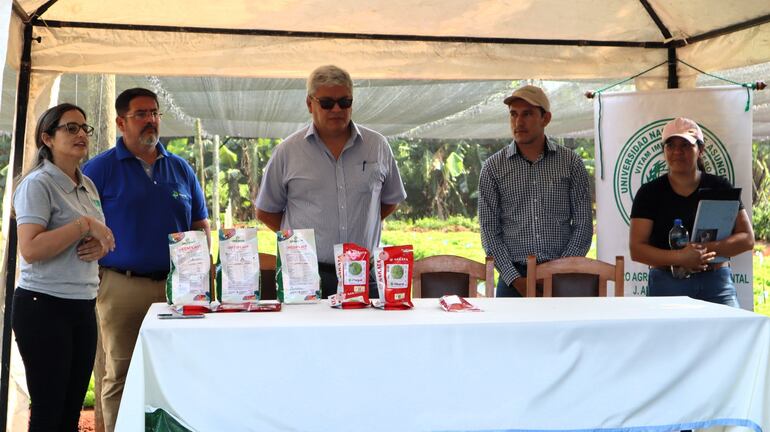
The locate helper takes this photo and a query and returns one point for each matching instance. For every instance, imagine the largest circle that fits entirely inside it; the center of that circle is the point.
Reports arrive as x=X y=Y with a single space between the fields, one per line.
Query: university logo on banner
x=641 y=160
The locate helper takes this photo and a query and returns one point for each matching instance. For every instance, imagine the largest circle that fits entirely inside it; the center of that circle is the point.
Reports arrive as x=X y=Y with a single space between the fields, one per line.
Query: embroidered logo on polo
x=180 y=195
x=641 y=160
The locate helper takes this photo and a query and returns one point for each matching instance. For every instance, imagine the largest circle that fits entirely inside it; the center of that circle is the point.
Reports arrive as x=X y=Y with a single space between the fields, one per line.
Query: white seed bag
x=188 y=281
x=296 y=275
x=238 y=266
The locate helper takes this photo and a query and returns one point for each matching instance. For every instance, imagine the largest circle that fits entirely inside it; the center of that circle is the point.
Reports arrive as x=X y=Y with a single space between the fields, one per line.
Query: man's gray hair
x=328 y=75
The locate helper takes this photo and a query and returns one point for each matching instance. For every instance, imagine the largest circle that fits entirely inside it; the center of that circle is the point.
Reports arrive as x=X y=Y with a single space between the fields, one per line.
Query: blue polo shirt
x=140 y=211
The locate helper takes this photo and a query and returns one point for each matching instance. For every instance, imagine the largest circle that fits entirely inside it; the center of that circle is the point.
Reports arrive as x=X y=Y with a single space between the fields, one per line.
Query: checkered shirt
x=541 y=208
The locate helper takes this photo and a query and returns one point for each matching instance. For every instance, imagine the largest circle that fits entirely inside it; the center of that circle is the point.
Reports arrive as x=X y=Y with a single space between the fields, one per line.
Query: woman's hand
x=91 y=250
x=695 y=257
x=102 y=234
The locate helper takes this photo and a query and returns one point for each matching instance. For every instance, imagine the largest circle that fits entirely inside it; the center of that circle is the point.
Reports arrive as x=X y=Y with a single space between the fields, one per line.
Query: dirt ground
x=86 y=421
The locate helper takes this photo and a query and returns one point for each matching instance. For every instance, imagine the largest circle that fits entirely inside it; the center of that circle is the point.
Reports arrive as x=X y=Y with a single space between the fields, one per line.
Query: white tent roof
x=239 y=65
x=397 y=39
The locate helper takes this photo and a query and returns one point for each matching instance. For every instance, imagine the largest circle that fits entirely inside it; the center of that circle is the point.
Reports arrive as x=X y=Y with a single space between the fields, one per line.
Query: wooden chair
x=574 y=272
x=267 y=277
x=440 y=275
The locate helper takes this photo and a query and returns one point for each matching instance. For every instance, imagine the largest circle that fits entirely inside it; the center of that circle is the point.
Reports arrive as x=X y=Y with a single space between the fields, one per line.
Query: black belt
x=709 y=267
x=156 y=276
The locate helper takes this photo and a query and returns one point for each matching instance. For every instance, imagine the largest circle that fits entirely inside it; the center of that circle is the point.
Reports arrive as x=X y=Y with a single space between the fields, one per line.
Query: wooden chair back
x=581 y=269
x=441 y=275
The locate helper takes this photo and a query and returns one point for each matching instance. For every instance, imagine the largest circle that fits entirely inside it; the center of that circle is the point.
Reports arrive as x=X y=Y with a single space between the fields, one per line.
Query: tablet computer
x=714 y=220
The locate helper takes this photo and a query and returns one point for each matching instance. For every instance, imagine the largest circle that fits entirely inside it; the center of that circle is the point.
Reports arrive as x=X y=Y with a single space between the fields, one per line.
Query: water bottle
x=677 y=239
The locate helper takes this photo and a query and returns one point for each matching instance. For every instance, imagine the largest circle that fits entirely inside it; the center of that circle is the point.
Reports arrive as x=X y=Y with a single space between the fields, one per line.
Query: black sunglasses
x=328 y=103
x=74 y=128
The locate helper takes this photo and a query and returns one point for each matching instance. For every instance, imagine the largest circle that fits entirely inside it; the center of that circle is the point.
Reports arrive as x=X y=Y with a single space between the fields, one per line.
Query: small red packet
x=393 y=267
x=261 y=306
x=189 y=309
x=455 y=303
x=351 y=262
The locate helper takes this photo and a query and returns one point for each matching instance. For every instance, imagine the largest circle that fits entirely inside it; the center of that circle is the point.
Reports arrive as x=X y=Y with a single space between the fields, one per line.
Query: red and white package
x=260 y=306
x=352 y=264
x=455 y=303
x=393 y=266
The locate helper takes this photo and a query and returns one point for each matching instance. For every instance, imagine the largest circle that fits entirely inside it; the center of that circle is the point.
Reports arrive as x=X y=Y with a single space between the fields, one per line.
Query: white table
x=665 y=363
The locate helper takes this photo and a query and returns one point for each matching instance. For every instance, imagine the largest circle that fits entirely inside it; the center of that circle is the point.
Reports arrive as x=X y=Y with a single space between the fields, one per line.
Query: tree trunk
x=200 y=161
x=250 y=166
x=100 y=110
x=215 y=184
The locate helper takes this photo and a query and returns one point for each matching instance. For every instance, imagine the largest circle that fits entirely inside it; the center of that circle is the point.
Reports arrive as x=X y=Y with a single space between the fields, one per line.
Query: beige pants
x=121 y=306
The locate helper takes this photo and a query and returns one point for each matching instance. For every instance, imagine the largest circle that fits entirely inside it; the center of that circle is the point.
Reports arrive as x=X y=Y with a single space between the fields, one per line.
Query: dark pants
x=57 y=342
x=505 y=290
x=329 y=281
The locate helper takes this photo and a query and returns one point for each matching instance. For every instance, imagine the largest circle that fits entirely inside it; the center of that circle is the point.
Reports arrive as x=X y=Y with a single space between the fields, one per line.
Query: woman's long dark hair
x=47 y=124
x=701 y=147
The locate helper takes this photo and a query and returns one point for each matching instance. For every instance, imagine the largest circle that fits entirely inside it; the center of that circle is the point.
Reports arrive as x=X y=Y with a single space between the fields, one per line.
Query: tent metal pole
x=42 y=9
x=656 y=19
x=358 y=36
x=673 y=77
x=22 y=101
x=754 y=22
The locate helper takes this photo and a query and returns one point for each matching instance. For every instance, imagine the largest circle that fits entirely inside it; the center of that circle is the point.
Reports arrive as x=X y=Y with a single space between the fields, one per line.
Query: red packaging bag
x=393 y=267
x=352 y=264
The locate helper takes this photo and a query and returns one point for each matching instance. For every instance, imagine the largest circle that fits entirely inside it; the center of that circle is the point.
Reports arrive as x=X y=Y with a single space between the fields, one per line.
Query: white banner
x=631 y=154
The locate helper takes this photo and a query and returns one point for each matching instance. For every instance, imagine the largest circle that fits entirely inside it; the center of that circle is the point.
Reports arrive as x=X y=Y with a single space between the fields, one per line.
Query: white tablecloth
x=664 y=363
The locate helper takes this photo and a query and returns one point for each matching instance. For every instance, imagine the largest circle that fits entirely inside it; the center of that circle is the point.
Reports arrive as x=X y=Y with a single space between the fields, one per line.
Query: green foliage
x=5 y=155
x=441 y=176
x=452 y=223
x=761 y=284
x=182 y=148
x=227 y=158
x=761 y=220
x=761 y=190
x=241 y=162
x=88 y=402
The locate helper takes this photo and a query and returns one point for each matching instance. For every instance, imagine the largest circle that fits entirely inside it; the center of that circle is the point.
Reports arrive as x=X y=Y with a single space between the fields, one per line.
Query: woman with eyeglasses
x=57 y=208
x=675 y=196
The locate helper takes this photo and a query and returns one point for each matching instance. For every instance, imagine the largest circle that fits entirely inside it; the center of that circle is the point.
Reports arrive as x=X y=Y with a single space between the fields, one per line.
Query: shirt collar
x=62 y=180
x=511 y=150
x=124 y=153
x=313 y=132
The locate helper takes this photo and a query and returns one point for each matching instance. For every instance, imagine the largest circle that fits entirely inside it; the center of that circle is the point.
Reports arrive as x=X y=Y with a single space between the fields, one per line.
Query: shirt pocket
x=556 y=199
x=370 y=179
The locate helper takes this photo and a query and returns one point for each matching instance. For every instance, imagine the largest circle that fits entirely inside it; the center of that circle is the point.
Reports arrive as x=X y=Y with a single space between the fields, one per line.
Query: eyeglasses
x=74 y=128
x=144 y=115
x=328 y=103
x=674 y=146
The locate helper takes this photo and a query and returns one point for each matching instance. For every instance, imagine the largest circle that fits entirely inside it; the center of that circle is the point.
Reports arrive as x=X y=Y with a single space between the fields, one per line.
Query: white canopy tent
x=441 y=42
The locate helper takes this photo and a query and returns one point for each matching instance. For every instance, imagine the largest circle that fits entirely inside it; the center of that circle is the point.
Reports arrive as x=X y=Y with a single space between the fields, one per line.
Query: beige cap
x=683 y=127
x=534 y=95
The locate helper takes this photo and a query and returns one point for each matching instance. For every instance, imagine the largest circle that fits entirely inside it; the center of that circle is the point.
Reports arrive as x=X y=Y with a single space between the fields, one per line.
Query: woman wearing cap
x=57 y=208
x=674 y=196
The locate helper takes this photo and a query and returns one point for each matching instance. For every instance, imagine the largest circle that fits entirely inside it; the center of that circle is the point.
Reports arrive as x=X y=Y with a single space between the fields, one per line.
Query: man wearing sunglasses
x=147 y=193
x=333 y=175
